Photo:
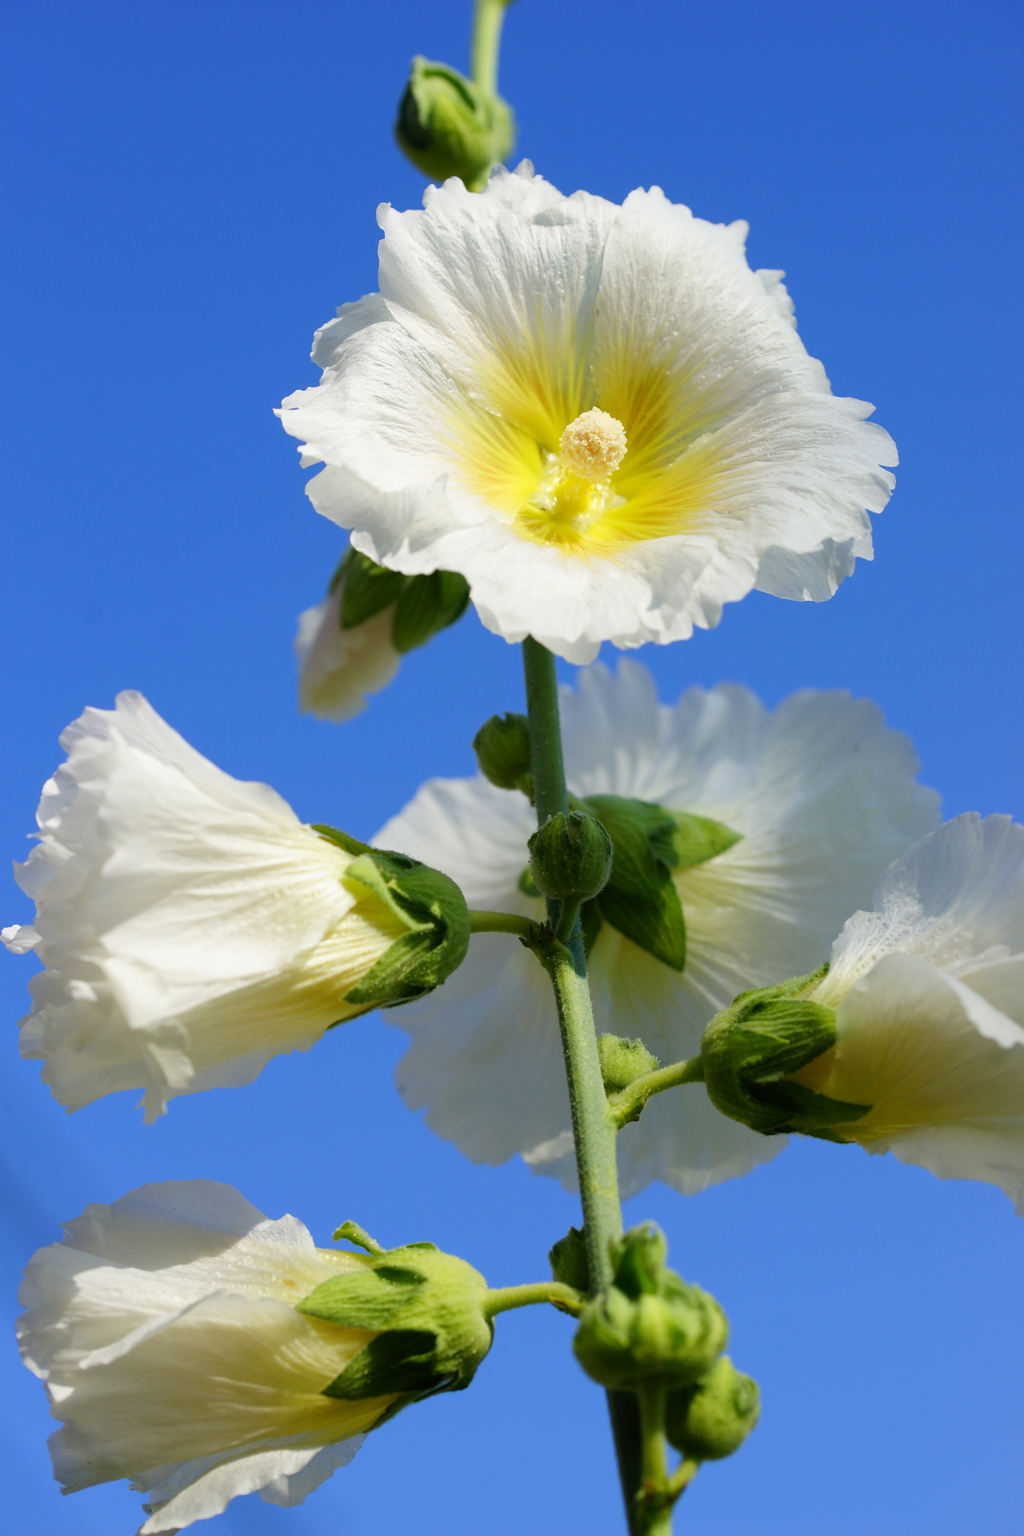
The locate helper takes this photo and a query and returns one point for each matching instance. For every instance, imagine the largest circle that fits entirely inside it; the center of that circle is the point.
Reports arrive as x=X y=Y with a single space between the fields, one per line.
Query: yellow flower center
x=574 y=489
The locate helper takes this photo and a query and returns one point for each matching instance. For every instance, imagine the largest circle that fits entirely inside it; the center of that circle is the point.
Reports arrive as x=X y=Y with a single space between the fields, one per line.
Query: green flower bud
x=571 y=856
x=448 y=126
x=649 y=1325
x=569 y=1261
x=423 y=605
x=431 y=909
x=425 y=1310
x=502 y=748
x=751 y=1049
x=713 y=1418
x=623 y=1061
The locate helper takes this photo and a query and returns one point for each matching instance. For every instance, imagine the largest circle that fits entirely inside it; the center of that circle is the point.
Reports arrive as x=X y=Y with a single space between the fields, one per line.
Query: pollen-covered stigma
x=575 y=487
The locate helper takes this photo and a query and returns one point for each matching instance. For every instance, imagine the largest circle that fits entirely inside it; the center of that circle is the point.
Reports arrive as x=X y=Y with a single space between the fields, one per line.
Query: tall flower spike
x=599 y=415
x=823 y=796
x=192 y=927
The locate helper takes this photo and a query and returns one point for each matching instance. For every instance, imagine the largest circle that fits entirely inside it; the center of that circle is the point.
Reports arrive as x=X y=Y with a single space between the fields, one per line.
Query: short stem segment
x=628 y=1102
x=506 y=1297
x=656 y=1500
x=501 y=922
x=487 y=23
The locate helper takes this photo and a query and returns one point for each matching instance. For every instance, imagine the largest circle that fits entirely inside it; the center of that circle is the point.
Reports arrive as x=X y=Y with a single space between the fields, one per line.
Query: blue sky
x=191 y=192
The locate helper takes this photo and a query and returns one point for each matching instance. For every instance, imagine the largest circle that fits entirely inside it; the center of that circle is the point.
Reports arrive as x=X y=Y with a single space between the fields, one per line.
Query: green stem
x=501 y=922
x=655 y=1502
x=628 y=1102
x=505 y=1297
x=487 y=22
x=593 y=1128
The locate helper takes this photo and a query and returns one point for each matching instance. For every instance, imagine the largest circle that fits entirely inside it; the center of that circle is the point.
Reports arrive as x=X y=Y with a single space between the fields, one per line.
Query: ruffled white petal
x=165 y=1329
x=339 y=668
x=824 y=796
x=20 y=938
x=190 y=925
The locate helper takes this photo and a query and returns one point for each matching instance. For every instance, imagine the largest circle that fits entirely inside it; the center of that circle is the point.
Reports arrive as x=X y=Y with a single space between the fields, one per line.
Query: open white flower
x=929 y=997
x=823 y=795
x=599 y=415
x=190 y=925
x=166 y=1331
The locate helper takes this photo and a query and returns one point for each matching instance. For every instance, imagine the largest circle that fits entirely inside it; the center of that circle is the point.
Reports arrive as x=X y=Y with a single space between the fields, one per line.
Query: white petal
x=20 y=938
x=338 y=667
x=369 y=310
x=198 y=1489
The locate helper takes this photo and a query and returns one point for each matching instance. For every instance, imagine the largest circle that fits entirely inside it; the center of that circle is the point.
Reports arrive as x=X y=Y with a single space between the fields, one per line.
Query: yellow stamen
x=593 y=446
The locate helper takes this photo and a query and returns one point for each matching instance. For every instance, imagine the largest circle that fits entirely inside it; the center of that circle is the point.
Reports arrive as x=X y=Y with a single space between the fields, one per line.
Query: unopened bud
x=502 y=748
x=448 y=126
x=571 y=857
x=569 y=1262
x=713 y=1418
x=623 y=1061
x=649 y=1325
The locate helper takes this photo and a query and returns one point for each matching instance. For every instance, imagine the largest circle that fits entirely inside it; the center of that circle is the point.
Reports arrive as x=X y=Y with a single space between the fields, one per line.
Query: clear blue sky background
x=190 y=190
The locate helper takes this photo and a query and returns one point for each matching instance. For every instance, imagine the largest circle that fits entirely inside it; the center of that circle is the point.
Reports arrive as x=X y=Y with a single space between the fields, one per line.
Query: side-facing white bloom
x=339 y=667
x=190 y=925
x=823 y=795
x=929 y=997
x=599 y=415
x=166 y=1331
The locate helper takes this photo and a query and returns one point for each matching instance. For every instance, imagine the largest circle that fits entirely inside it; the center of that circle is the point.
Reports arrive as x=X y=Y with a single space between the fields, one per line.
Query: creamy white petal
x=19 y=938
x=824 y=795
x=338 y=667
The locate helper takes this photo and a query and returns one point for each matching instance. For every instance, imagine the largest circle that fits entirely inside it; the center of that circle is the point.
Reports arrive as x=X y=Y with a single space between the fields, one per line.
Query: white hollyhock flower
x=191 y=927
x=599 y=415
x=929 y=997
x=823 y=795
x=338 y=667
x=165 y=1329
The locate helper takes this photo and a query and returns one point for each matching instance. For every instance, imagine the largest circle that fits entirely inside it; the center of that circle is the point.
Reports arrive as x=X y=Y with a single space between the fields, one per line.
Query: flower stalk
x=486 y=44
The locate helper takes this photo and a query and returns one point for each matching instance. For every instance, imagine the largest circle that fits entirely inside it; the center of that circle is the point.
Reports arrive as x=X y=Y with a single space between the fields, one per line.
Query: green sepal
x=333 y=835
x=526 y=883
x=352 y=1232
x=369 y=588
x=751 y=1049
x=623 y=1061
x=697 y=839
x=640 y=899
x=569 y=1261
x=425 y=606
x=401 y=1362
x=433 y=910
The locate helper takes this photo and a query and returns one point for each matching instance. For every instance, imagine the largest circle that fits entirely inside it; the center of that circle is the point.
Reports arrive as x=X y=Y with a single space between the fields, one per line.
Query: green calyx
x=571 y=857
x=712 y=1418
x=569 y=1262
x=449 y=126
x=751 y=1049
x=623 y=1062
x=430 y=906
x=649 y=842
x=649 y=1326
x=424 y=605
x=502 y=747
x=426 y=1310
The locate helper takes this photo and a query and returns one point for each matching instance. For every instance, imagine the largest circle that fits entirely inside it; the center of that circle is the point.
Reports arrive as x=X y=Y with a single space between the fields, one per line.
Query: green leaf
x=640 y=899
x=425 y=606
x=698 y=838
x=369 y=588
x=402 y=1361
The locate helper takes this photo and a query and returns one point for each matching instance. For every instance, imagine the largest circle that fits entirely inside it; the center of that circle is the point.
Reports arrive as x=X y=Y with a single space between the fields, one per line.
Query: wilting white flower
x=929 y=997
x=166 y=1331
x=338 y=667
x=823 y=795
x=599 y=415
x=190 y=925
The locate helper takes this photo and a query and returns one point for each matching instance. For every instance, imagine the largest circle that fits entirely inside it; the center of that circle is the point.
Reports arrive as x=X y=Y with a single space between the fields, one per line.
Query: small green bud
x=447 y=126
x=502 y=747
x=649 y=1325
x=623 y=1061
x=571 y=856
x=426 y=1311
x=713 y=1418
x=430 y=906
x=569 y=1261
x=751 y=1049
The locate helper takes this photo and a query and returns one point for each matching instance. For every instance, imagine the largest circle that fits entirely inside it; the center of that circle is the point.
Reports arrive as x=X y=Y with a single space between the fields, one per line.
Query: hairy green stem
x=594 y=1130
x=505 y=1297
x=628 y=1102
x=501 y=922
x=655 y=1503
x=487 y=22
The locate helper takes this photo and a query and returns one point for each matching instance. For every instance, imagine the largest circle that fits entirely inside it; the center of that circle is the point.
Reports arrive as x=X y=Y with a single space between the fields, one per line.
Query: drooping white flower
x=823 y=795
x=339 y=667
x=166 y=1331
x=191 y=926
x=929 y=996
x=599 y=415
